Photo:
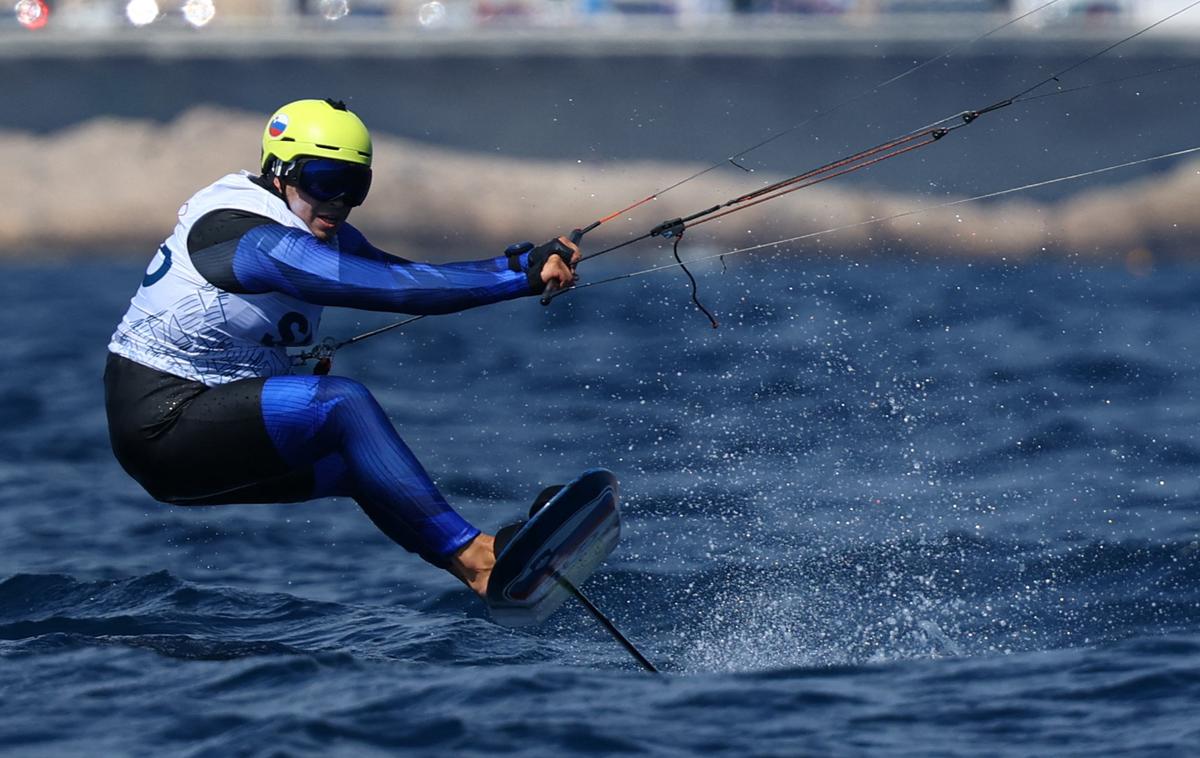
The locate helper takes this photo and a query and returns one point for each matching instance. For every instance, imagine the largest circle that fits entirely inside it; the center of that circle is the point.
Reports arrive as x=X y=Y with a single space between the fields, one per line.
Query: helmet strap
x=278 y=167
x=274 y=169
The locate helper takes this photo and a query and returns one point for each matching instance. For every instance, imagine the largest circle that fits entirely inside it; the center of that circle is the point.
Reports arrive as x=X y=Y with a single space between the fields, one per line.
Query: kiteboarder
x=202 y=406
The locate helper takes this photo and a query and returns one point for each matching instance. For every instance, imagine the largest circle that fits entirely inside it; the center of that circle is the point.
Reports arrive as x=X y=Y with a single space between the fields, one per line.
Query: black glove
x=537 y=260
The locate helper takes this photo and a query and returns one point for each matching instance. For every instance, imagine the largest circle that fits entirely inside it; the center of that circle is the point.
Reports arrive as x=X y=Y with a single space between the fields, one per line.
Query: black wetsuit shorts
x=190 y=444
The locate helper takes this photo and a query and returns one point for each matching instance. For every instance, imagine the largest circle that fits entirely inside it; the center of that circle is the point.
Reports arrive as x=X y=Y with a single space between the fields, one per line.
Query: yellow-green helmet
x=318 y=129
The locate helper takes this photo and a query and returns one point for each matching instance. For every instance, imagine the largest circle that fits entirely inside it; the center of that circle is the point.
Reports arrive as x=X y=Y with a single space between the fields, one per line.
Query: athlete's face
x=323 y=219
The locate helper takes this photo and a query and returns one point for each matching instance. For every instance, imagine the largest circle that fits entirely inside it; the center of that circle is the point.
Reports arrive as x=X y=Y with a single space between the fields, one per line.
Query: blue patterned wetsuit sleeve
x=274 y=258
x=353 y=242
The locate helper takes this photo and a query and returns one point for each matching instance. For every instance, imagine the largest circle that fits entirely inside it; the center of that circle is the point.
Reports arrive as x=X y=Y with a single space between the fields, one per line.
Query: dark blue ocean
x=888 y=508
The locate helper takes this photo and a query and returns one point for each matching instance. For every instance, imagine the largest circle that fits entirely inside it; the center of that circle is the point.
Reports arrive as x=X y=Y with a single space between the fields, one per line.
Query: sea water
x=888 y=508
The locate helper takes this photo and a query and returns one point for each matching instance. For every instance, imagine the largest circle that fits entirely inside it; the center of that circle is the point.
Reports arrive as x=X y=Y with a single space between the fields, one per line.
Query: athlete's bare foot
x=473 y=563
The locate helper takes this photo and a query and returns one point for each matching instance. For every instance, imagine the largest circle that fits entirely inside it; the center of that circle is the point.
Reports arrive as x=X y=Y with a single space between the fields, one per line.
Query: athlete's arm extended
x=268 y=257
x=353 y=242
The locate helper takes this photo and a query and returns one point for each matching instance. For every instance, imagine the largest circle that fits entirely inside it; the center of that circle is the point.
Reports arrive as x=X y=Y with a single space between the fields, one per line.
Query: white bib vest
x=179 y=323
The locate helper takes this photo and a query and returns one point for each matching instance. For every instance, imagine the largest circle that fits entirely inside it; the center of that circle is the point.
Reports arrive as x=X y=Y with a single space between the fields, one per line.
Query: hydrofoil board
x=556 y=550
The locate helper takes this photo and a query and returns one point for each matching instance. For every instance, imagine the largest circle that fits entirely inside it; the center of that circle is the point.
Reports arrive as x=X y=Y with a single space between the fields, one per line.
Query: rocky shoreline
x=112 y=186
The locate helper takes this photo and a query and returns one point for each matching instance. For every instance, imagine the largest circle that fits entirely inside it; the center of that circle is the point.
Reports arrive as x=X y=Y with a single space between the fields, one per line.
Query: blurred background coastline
x=876 y=18
x=500 y=120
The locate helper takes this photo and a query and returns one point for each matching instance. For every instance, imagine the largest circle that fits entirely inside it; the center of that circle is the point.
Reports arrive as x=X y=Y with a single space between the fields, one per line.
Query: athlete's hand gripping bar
x=551 y=291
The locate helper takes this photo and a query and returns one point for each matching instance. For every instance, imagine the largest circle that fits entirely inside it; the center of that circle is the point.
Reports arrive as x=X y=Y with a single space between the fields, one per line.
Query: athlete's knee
x=343 y=391
x=351 y=404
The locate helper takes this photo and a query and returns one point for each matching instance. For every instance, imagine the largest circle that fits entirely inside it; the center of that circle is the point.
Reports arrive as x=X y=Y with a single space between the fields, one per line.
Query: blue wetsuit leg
x=334 y=425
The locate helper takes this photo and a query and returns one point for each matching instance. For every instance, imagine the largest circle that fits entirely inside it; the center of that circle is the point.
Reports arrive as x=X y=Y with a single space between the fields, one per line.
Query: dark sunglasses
x=325 y=179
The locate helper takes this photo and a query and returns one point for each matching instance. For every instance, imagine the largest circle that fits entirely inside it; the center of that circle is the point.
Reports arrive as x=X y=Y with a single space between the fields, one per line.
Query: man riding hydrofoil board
x=202 y=406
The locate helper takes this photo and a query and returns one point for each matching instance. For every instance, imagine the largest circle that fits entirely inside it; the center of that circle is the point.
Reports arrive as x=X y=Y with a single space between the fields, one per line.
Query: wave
x=158 y=612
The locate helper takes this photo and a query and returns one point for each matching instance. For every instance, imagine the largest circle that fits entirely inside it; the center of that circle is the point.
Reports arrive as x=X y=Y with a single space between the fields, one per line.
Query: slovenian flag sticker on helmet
x=278 y=125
